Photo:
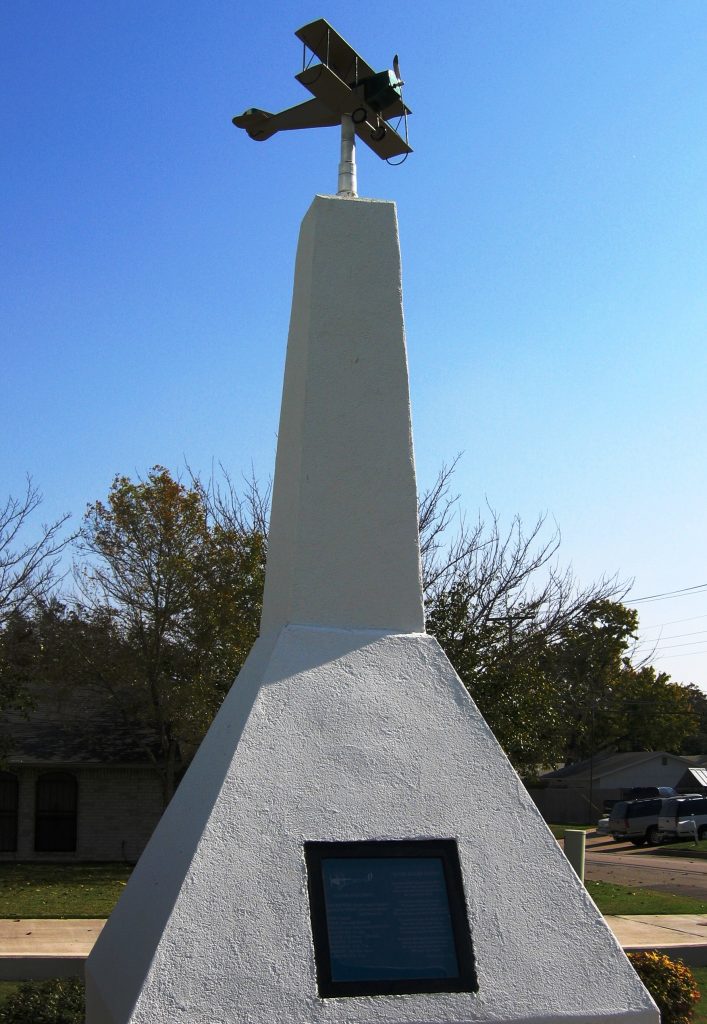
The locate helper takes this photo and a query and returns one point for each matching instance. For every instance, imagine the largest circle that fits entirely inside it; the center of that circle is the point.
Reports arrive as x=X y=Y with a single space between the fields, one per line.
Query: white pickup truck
x=683 y=817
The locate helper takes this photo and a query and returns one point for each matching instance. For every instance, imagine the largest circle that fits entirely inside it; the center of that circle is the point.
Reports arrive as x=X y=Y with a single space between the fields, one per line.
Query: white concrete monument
x=350 y=843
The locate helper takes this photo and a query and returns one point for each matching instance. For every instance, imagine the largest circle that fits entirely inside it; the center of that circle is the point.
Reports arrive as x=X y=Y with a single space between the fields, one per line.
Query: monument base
x=335 y=736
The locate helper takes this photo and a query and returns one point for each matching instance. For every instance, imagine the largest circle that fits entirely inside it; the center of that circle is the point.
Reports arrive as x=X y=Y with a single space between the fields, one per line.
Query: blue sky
x=552 y=221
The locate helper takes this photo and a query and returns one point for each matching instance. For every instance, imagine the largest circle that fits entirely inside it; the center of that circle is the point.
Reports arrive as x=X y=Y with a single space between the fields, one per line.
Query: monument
x=335 y=852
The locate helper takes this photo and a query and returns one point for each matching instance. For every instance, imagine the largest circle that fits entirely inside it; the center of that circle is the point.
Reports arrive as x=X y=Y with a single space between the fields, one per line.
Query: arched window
x=55 y=813
x=8 y=812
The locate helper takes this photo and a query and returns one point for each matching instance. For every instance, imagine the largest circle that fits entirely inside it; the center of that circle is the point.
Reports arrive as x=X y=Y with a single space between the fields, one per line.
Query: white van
x=637 y=820
x=676 y=816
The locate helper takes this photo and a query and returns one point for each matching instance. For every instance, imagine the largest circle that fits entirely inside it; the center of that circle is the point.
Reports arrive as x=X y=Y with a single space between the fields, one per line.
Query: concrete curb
x=692 y=955
x=36 y=968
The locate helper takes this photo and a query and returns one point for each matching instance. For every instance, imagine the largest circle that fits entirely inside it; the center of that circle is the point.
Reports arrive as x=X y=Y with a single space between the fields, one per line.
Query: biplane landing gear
x=359 y=115
x=379 y=133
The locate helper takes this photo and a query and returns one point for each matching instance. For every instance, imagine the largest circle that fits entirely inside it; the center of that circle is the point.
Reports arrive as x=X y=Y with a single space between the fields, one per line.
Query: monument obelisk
x=334 y=853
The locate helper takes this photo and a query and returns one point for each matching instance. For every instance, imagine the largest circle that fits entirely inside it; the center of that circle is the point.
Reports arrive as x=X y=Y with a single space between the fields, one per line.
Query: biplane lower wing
x=335 y=94
x=261 y=124
x=333 y=51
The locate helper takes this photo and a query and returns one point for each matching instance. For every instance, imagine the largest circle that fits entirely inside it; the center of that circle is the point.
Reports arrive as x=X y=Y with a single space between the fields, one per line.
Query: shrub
x=57 y=1001
x=671 y=984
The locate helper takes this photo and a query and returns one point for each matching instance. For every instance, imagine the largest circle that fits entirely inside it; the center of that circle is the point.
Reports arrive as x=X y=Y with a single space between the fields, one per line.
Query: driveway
x=607 y=861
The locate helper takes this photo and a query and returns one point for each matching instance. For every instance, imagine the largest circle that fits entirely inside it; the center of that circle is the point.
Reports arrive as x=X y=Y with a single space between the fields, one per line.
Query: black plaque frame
x=443 y=849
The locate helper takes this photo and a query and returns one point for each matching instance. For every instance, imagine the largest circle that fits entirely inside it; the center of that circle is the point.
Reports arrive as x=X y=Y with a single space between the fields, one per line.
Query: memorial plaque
x=389 y=917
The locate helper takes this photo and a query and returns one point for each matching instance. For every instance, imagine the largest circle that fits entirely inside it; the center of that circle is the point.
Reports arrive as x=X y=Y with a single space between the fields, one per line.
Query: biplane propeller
x=342 y=84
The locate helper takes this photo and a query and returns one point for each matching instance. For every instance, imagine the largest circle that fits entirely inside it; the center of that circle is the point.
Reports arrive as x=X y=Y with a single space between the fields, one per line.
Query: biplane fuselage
x=342 y=83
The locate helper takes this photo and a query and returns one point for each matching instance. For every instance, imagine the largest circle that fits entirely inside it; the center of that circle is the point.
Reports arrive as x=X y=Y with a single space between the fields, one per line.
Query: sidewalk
x=45 y=949
x=680 y=936
x=52 y=949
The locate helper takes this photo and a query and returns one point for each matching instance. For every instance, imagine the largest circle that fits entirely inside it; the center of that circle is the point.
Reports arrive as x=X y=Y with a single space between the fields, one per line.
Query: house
x=579 y=793
x=78 y=783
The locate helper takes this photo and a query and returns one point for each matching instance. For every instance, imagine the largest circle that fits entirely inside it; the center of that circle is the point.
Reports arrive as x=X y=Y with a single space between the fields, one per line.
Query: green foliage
x=651 y=712
x=671 y=984
x=177 y=571
x=548 y=663
x=500 y=662
x=585 y=662
x=606 y=701
x=56 y=1001
x=696 y=741
x=557 y=692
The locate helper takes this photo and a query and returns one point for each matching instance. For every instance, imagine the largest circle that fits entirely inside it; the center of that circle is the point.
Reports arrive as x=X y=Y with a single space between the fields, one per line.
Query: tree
x=608 y=702
x=651 y=711
x=500 y=605
x=53 y=647
x=14 y=673
x=179 y=570
x=501 y=667
x=27 y=566
x=696 y=741
x=28 y=574
x=547 y=662
x=586 y=660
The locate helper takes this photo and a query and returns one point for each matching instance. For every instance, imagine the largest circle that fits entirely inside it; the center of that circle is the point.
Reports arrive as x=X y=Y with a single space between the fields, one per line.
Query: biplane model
x=341 y=83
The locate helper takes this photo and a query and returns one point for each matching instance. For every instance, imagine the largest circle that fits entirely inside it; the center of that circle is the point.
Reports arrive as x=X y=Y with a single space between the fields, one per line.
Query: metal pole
x=591 y=767
x=347 y=166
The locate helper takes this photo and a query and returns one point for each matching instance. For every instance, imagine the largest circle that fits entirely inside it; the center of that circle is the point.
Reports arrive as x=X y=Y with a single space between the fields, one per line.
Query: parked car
x=689 y=827
x=693 y=819
x=637 y=820
x=603 y=827
x=675 y=809
x=639 y=792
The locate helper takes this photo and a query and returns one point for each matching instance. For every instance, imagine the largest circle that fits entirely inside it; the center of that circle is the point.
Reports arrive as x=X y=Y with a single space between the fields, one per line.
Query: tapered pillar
x=343 y=547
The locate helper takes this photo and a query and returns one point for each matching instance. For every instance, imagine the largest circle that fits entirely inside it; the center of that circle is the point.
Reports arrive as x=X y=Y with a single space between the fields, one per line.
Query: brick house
x=78 y=783
x=581 y=792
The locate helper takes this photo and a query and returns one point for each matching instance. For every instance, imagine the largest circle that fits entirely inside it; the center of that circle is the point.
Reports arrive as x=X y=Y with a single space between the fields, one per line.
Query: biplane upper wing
x=334 y=52
x=326 y=85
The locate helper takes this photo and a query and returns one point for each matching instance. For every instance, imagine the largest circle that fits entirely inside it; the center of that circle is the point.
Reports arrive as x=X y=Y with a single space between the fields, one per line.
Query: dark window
x=618 y=811
x=8 y=812
x=642 y=808
x=55 y=816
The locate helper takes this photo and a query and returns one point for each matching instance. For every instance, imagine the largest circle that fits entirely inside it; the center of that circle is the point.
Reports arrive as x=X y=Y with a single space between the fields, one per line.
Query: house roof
x=85 y=725
x=698 y=760
x=698 y=775
x=607 y=764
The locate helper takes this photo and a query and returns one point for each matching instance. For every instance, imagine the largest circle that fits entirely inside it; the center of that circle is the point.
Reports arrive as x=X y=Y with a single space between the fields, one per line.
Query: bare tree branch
x=28 y=568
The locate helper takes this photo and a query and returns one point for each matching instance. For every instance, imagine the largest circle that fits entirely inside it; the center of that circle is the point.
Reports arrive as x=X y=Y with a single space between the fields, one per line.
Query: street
x=624 y=864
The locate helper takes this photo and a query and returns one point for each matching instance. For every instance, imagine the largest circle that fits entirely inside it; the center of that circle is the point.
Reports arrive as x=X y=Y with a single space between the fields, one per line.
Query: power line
x=675 y=636
x=690 y=643
x=674 y=622
x=683 y=592
x=682 y=654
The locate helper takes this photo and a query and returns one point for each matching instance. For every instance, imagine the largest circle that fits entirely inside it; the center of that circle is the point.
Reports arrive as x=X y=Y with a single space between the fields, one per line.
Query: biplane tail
x=255 y=122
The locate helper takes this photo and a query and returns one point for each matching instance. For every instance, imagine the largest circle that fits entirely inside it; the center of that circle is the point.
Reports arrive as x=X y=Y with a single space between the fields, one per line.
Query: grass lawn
x=628 y=899
x=7 y=988
x=558 y=831
x=60 y=890
x=682 y=849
